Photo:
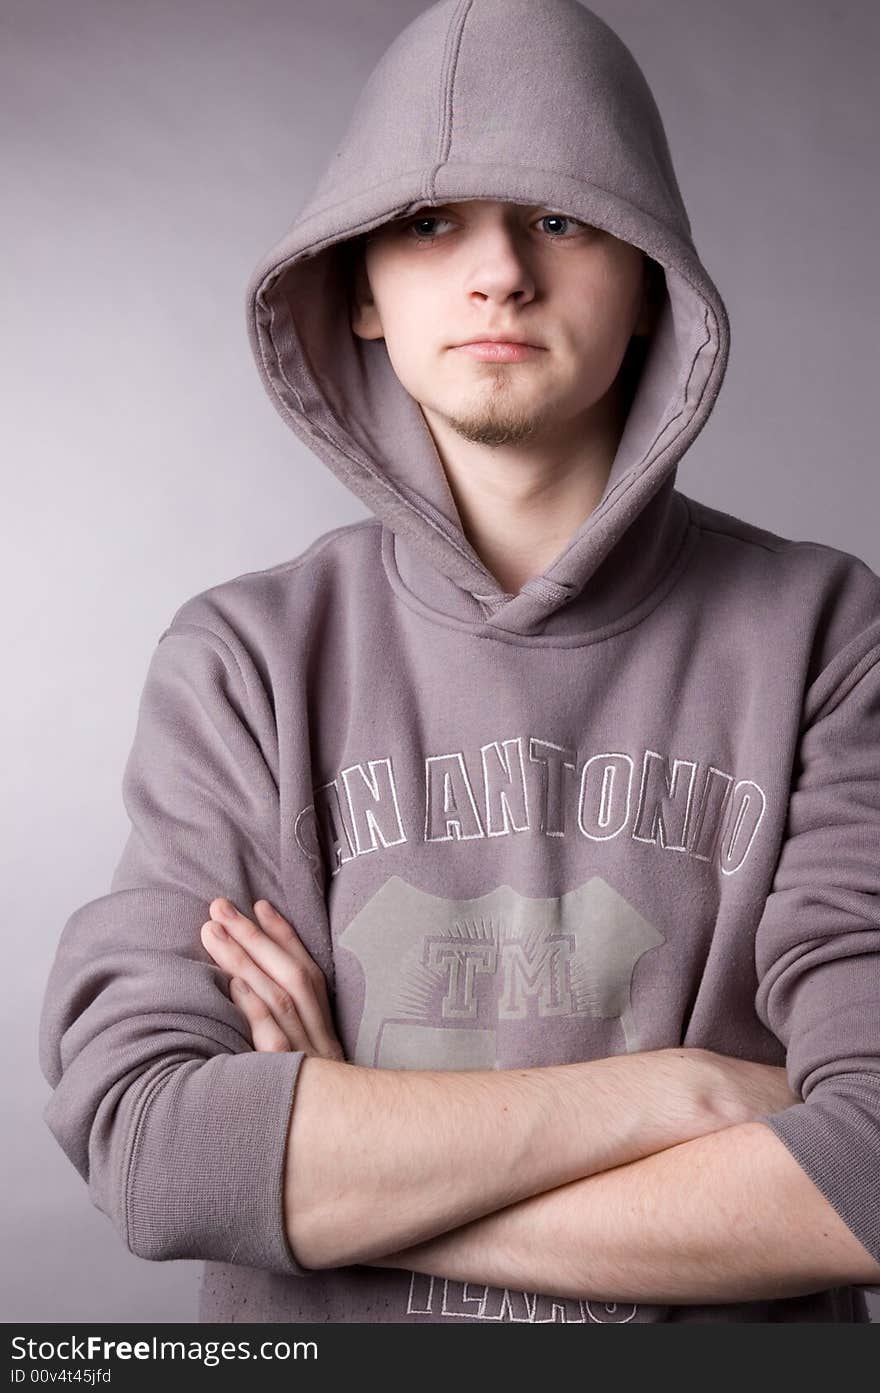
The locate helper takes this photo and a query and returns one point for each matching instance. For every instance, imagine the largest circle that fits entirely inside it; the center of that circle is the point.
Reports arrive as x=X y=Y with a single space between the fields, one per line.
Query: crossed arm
x=667 y=1198
x=729 y=1216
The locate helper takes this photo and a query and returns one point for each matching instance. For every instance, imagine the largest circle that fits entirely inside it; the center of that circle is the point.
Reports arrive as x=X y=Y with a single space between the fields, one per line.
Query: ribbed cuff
x=205 y=1162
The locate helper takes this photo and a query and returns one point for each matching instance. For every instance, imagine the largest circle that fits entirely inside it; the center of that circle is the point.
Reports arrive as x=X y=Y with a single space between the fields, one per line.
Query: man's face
x=444 y=275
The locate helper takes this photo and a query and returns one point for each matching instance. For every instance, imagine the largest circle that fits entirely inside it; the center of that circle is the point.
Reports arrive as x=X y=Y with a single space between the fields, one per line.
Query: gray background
x=153 y=153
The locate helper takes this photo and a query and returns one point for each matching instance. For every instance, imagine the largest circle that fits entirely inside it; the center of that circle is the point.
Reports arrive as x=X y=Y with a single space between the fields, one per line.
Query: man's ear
x=365 y=321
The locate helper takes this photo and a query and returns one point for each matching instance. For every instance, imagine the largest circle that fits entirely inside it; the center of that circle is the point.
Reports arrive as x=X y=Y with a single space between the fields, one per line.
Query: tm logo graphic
x=443 y=977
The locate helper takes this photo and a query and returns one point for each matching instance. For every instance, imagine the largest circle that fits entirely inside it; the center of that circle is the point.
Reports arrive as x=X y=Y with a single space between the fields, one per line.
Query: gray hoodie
x=634 y=805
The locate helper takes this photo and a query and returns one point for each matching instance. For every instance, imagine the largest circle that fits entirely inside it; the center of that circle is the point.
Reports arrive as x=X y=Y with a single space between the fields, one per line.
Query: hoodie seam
x=734 y=537
x=447 y=89
x=775 y=548
x=186 y=625
x=280 y=568
x=319 y=545
x=454 y=38
x=697 y=512
x=852 y=677
x=778 y=548
x=316 y=547
x=695 y=508
x=150 y=1093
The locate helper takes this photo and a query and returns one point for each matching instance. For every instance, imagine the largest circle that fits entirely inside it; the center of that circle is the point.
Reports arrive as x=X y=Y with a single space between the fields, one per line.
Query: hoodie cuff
x=204 y=1174
x=835 y=1138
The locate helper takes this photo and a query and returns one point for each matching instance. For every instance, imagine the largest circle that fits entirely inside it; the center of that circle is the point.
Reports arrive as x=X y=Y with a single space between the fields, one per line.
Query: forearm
x=379 y=1159
x=728 y=1216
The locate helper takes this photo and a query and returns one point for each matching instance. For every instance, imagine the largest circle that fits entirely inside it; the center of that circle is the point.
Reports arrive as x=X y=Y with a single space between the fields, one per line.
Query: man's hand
x=274 y=981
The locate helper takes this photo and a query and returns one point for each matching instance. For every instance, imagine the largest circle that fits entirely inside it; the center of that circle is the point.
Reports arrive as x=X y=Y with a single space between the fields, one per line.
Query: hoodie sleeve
x=818 y=942
x=176 y=1123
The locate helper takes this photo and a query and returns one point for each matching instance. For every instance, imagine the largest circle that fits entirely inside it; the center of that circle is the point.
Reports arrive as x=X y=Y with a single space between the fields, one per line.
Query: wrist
x=668 y=1094
x=694 y=1075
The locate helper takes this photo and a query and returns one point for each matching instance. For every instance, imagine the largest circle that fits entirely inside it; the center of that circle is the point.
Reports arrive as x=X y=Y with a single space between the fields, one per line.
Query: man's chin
x=492 y=420
x=497 y=427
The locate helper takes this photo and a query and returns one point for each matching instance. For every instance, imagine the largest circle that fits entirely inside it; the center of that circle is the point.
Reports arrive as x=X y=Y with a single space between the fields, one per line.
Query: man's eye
x=417 y=222
x=422 y=230
x=562 y=218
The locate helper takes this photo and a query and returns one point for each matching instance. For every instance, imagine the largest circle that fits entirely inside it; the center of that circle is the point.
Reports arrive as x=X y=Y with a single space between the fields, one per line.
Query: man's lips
x=499 y=351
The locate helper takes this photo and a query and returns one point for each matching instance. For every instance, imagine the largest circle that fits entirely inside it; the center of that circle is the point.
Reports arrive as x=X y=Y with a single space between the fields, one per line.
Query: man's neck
x=520 y=505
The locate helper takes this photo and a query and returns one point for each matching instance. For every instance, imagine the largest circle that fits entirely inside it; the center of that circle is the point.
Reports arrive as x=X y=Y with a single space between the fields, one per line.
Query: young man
x=541 y=808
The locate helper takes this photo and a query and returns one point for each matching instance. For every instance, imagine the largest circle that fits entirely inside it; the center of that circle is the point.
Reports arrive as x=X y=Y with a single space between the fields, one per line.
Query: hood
x=530 y=101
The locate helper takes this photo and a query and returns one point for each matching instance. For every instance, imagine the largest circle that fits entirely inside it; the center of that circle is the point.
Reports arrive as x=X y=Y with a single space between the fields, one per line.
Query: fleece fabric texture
x=634 y=805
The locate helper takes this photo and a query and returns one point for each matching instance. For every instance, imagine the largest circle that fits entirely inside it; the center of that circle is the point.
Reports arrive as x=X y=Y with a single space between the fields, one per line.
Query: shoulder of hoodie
x=831 y=594
x=257 y=608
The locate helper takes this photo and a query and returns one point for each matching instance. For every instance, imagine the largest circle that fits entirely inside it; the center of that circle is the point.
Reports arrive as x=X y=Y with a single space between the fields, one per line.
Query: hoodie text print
x=633 y=805
x=359 y=811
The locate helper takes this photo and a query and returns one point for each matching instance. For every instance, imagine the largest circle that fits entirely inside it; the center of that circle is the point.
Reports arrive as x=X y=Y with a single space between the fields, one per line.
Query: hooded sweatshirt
x=634 y=805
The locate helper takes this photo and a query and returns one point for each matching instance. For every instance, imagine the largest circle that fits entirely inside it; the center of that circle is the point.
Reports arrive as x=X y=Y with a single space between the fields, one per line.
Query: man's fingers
x=277 y=961
x=265 y=997
x=271 y=950
x=235 y=960
x=283 y=933
x=285 y=985
x=266 y=1033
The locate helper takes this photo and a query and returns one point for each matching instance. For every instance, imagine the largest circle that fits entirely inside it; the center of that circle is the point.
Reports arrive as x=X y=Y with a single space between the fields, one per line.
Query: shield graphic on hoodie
x=470 y=983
